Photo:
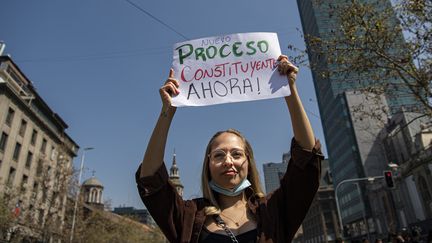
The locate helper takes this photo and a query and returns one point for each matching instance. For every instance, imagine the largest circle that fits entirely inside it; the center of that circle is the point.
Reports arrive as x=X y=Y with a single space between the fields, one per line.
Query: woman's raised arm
x=302 y=128
x=153 y=157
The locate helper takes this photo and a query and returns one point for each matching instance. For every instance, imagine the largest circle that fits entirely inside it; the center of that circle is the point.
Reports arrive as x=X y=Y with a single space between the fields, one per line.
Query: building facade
x=353 y=143
x=273 y=173
x=35 y=153
x=408 y=144
x=321 y=223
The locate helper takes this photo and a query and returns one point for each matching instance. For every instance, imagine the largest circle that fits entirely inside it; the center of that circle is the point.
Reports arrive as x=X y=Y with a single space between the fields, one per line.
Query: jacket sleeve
x=163 y=202
x=289 y=204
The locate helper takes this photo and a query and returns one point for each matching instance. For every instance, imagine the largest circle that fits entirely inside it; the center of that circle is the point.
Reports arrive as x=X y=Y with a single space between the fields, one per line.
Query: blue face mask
x=234 y=192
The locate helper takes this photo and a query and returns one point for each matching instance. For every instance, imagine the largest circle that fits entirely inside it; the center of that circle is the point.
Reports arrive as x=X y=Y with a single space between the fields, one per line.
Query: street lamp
x=79 y=189
x=370 y=179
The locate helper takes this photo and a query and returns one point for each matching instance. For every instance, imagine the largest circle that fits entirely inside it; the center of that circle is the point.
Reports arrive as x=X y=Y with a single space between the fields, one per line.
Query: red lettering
x=258 y=65
x=246 y=69
x=235 y=64
x=183 y=78
x=207 y=73
x=223 y=71
x=199 y=71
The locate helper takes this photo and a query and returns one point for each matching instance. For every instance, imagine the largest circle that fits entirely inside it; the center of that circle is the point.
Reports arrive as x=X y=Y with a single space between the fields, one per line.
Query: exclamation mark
x=258 y=85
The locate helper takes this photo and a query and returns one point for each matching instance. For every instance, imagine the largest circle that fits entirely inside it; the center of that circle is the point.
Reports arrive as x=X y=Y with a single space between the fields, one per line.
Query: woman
x=233 y=207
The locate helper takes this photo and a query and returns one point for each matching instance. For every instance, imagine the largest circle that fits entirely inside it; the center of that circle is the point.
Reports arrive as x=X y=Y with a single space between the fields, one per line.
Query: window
x=44 y=194
x=3 y=141
x=43 y=146
x=34 y=194
x=39 y=168
x=22 y=128
x=9 y=116
x=29 y=160
x=33 y=137
x=49 y=171
x=53 y=153
x=35 y=187
x=41 y=216
x=16 y=152
x=11 y=176
x=24 y=182
x=424 y=189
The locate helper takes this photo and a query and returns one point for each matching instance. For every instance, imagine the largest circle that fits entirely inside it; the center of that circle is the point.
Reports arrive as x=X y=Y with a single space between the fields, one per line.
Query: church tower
x=92 y=190
x=174 y=176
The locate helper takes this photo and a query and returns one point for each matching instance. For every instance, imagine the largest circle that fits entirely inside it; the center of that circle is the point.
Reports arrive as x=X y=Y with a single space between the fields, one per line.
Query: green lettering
x=249 y=46
x=221 y=51
x=199 y=52
x=180 y=51
x=260 y=45
x=211 y=55
x=236 y=45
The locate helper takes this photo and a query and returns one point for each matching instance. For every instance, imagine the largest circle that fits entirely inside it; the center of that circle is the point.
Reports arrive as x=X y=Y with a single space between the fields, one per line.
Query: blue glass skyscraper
x=353 y=153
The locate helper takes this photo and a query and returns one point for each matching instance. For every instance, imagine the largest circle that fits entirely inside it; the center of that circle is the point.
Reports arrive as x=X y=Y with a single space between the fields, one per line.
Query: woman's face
x=228 y=162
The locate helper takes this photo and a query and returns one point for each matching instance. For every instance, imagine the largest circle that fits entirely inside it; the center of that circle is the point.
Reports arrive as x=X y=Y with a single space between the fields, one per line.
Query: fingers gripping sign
x=169 y=90
x=285 y=67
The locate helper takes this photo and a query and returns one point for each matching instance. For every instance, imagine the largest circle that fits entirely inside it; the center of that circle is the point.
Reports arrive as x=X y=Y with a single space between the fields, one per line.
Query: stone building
x=36 y=153
x=408 y=144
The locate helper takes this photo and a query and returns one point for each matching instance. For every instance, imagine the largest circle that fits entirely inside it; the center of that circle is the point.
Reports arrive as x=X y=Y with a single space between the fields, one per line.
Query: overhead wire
x=157 y=19
x=112 y=55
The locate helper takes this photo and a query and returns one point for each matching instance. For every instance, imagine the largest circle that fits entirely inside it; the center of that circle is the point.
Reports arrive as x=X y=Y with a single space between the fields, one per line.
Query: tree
x=35 y=211
x=376 y=47
x=103 y=226
x=6 y=215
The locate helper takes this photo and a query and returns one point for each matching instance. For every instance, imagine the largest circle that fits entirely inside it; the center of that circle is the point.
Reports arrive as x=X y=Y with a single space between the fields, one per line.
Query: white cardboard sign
x=228 y=68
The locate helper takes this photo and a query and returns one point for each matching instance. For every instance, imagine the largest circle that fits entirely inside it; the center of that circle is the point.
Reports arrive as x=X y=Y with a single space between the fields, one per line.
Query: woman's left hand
x=285 y=67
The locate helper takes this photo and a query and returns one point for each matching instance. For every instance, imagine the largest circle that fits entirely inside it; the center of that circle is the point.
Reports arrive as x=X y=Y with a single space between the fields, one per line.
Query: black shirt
x=209 y=237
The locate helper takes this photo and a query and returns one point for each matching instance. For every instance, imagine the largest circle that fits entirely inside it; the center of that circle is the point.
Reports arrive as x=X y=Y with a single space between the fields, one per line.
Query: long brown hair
x=252 y=175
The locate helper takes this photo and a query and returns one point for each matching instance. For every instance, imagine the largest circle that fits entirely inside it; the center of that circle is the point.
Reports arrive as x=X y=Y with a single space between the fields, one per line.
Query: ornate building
x=174 y=176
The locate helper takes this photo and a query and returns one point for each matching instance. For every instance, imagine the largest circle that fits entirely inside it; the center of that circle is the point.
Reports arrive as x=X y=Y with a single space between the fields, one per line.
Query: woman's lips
x=230 y=173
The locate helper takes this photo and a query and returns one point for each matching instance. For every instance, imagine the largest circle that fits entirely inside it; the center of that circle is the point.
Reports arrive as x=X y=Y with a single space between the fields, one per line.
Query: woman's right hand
x=167 y=91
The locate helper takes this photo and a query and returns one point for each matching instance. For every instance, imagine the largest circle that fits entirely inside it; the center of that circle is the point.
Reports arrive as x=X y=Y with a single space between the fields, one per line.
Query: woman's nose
x=228 y=161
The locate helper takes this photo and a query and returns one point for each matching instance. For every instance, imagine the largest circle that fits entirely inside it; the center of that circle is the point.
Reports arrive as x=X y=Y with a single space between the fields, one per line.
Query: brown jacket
x=278 y=215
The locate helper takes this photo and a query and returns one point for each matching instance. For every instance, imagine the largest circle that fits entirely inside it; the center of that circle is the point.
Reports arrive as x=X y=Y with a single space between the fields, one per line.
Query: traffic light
x=388 y=177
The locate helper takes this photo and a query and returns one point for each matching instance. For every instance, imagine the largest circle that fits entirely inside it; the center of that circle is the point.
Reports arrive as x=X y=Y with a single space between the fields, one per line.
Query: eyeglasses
x=220 y=156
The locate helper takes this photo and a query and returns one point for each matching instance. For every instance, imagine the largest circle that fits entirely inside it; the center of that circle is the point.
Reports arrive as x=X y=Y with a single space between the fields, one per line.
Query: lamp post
x=370 y=179
x=363 y=211
x=79 y=190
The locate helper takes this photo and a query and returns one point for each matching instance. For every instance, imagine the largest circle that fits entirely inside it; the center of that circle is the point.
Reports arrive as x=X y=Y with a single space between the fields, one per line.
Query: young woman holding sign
x=234 y=207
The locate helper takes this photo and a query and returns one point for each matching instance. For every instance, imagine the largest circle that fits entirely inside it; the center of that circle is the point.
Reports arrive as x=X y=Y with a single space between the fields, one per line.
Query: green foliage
x=6 y=217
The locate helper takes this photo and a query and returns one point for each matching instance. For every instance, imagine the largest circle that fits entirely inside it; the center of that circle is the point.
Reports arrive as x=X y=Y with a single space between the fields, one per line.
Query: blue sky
x=99 y=65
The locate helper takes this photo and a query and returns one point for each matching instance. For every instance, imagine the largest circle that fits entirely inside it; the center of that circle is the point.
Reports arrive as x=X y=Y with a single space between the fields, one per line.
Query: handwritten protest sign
x=229 y=68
